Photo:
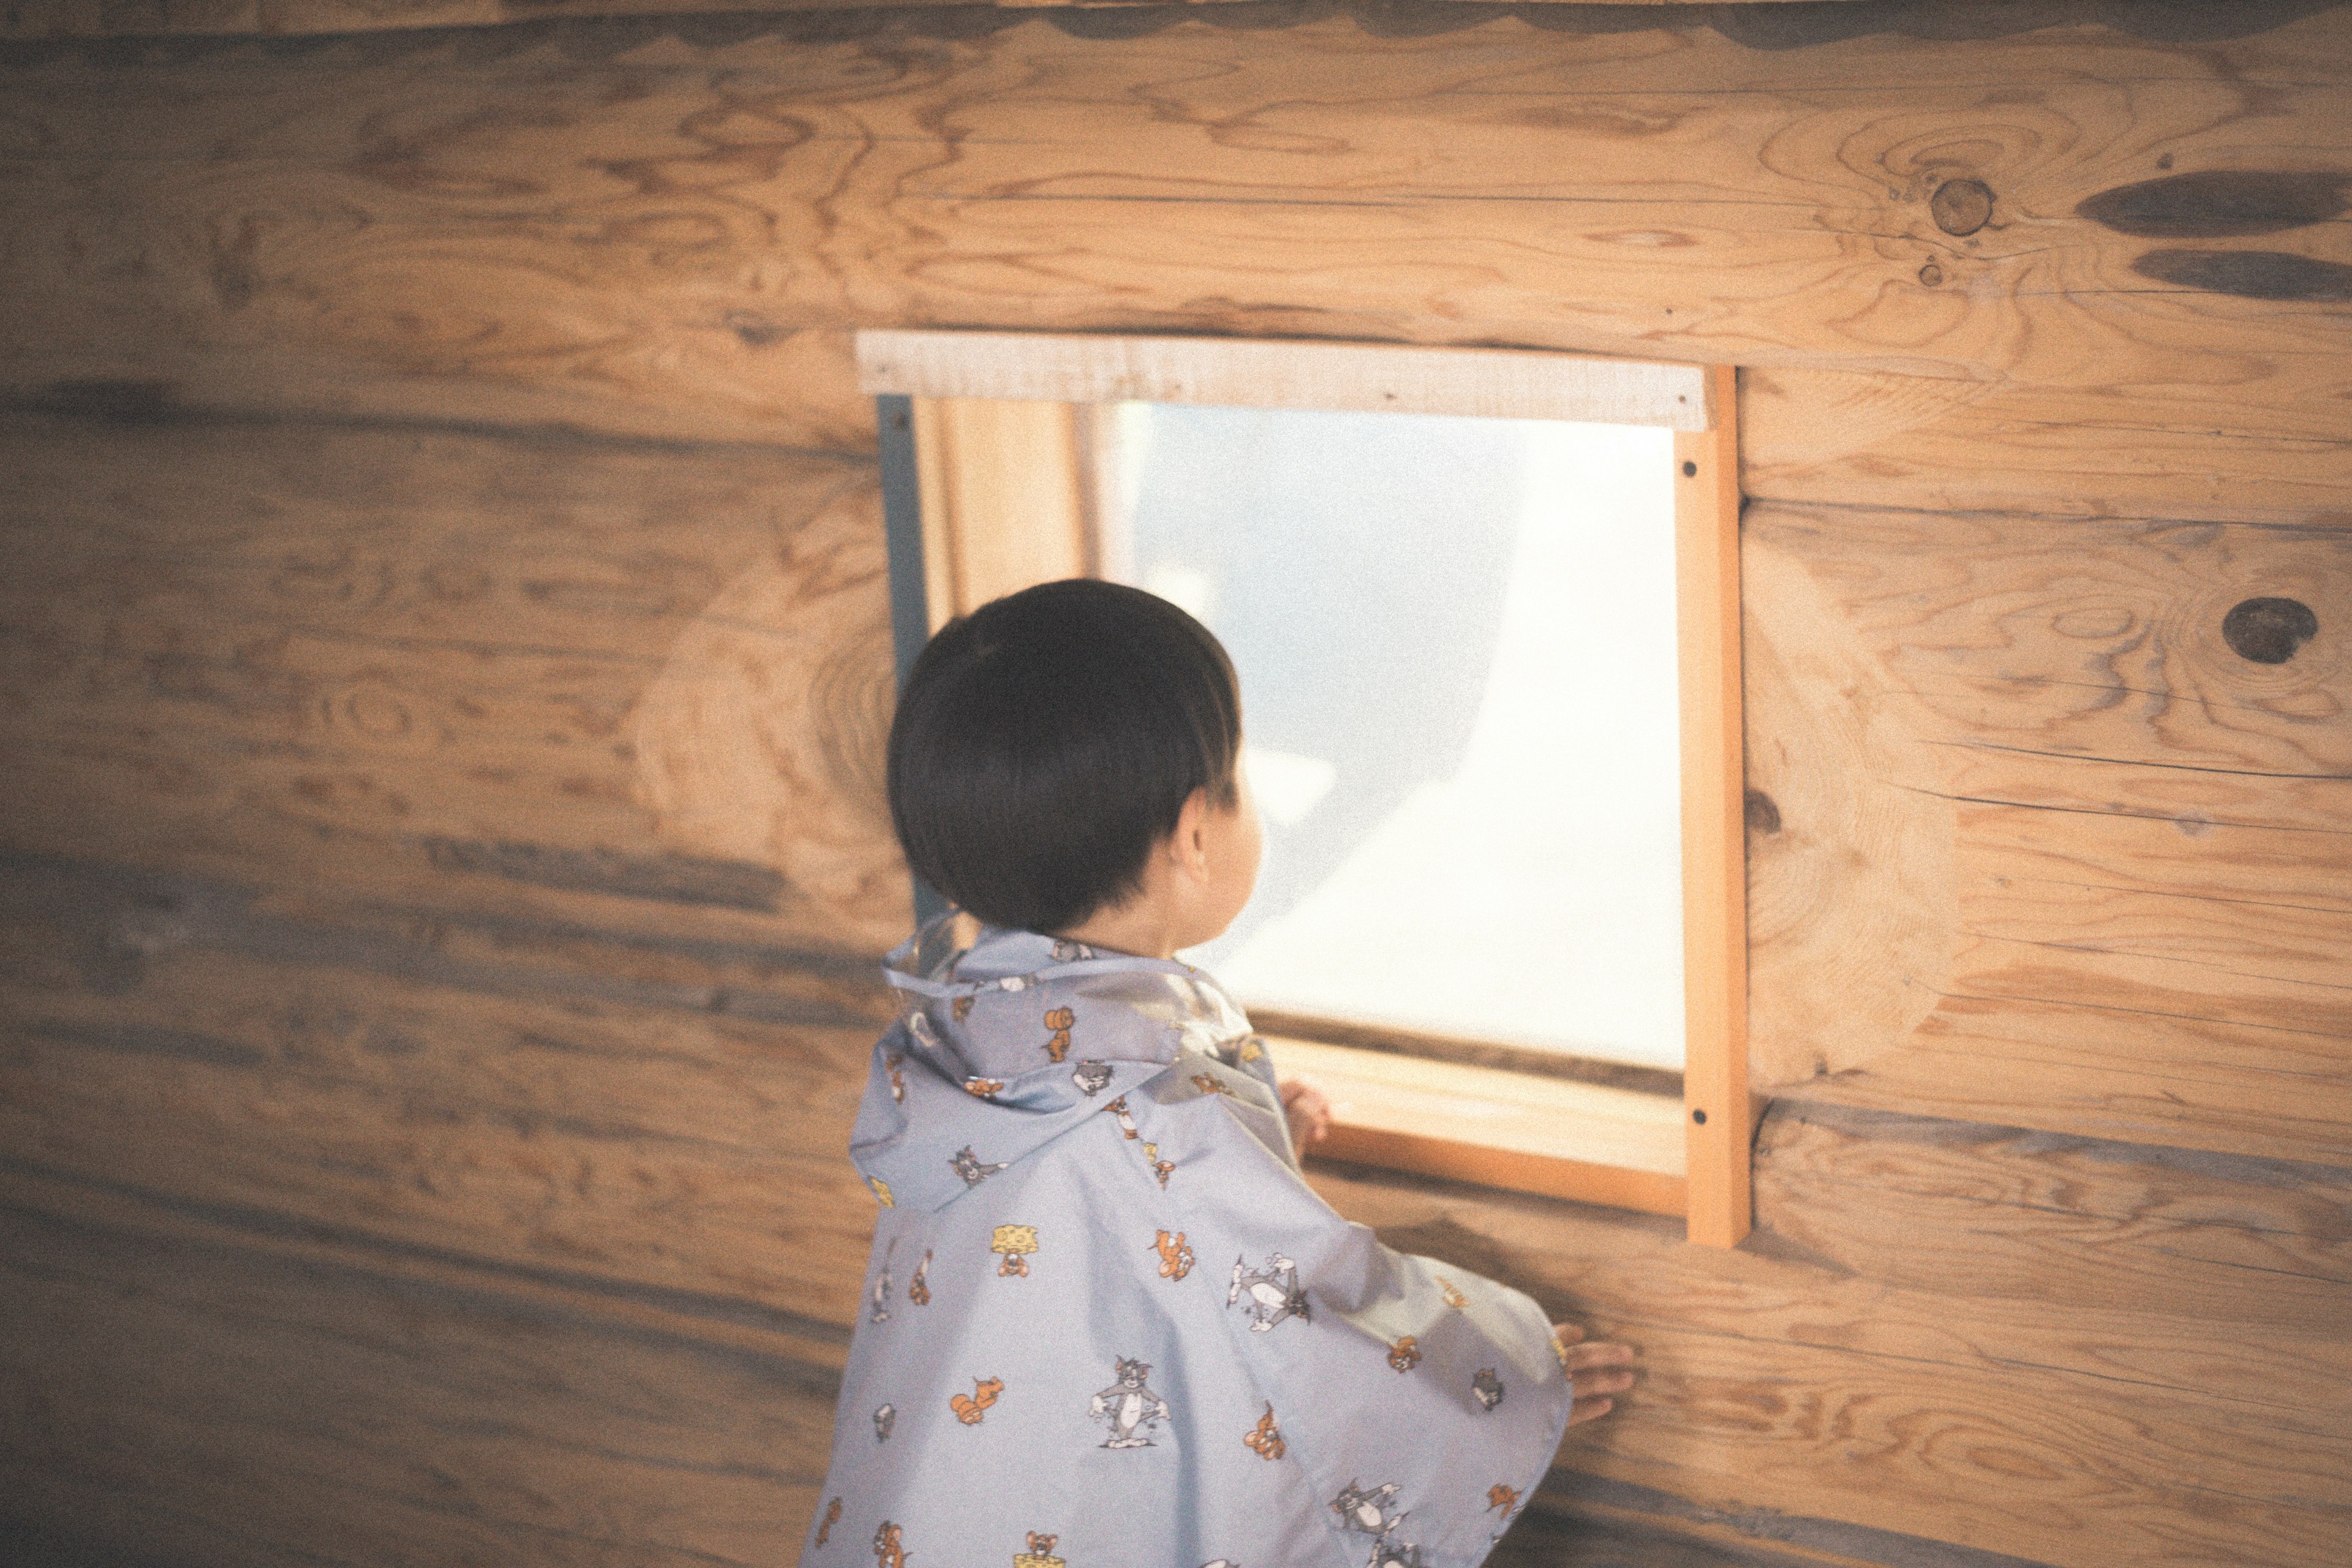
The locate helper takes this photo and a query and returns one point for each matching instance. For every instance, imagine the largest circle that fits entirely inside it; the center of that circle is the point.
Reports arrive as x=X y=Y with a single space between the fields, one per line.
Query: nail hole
x=1699 y=1117
x=1690 y=470
x=2269 y=631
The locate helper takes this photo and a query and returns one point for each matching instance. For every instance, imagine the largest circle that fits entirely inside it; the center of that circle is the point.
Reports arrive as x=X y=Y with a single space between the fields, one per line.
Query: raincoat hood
x=1005 y=1046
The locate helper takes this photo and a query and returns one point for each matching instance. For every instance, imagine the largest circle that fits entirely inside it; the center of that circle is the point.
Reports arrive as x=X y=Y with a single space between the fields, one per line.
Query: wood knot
x=1931 y=275
x=2269 y=631
x=1961 y=206
x=1761 y=815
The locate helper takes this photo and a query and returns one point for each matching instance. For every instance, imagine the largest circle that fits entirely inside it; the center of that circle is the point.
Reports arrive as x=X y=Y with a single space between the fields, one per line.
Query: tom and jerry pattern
x=1057 y=1138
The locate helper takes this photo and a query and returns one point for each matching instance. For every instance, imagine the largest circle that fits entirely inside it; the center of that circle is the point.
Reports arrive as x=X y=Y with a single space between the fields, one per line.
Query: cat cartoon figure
x=1273 y=1292
x=1128 y=1406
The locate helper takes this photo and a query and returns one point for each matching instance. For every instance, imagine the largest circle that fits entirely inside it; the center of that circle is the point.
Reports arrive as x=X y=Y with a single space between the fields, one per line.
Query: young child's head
x=1070 y=753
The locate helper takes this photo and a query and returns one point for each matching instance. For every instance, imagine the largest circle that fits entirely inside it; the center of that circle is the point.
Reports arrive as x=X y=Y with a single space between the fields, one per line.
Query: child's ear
x=1189 y=844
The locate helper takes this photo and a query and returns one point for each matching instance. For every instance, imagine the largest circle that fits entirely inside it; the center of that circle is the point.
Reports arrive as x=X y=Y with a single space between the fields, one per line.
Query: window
x=1520 y=569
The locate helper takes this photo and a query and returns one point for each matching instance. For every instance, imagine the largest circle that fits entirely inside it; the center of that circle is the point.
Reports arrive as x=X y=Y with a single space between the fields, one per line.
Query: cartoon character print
x=1118 y=1108
x=1405 y=1354
x=918 y=1288
x=1210 y=1083
x=881 y=1293
x=1454 y=1298
x=961 y=1008
x=1505 y=1498
x=983 y=1087
x=1175 y=1258
x=882 y=1191
x=891 y=1064
x=831 y=1518
x=968 y=1165
x=887 y=1553
x=970 y=1408
x=1071 y=951
x=1367 y=1511
x=1092 y=1078
x=886 y=1416
x=1264 y=1440
x=919 y=1026
x=1159 y=1167
x=1273 y=1292
x=1014 y=1243
x=1059 y=1020
x=1040 y=1554
x=1394 y=1554
x=1128 y=1406
x=1487 y=1388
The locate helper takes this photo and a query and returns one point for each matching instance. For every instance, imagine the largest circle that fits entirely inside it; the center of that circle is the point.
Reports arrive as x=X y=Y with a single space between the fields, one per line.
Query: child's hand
x=1584 y=1363
x=1307 y=1110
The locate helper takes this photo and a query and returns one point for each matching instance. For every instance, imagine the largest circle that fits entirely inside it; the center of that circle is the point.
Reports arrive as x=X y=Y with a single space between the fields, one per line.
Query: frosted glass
x=1456 y=640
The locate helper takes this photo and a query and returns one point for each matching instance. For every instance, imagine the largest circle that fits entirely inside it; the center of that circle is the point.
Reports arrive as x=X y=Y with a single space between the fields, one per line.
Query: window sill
x=1515 y=1130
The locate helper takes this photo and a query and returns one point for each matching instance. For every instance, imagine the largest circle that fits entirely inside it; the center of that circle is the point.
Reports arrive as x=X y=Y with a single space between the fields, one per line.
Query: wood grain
x=1882 y=1382
x=572 y=680
x=2007 y=778
x=371 y=233
x=1073 y=367
x=341 y=1417
x=1716 y=1124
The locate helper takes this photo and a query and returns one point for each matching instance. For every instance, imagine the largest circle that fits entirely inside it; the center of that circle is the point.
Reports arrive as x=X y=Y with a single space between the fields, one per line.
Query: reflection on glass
x=1456 y=640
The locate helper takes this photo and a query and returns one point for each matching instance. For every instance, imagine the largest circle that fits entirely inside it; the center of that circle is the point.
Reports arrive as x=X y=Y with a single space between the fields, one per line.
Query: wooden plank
x=1818 y=1387
x=112 y=18
x=1997 y=767
x=1006 y=498
x=1496 y=384
x=1495 y=184
x=645 y=1146
x=1714 y=867
x=1506 y=1130
x=342 y=1417
x=1947 y=444
x=672 y=667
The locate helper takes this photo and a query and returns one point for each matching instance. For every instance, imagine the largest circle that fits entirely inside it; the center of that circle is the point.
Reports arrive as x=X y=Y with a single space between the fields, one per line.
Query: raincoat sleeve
x=1422 y=1402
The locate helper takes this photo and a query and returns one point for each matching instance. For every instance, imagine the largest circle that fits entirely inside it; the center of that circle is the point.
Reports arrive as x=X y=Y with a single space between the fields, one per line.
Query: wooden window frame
x=989 y=444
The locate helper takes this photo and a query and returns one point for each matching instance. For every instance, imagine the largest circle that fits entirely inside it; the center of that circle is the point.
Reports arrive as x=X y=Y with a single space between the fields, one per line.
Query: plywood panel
x=572 y=675
x=373 y=231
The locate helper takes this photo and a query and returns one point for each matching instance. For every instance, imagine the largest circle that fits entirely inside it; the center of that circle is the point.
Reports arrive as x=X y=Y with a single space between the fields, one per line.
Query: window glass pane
x=1455 y=638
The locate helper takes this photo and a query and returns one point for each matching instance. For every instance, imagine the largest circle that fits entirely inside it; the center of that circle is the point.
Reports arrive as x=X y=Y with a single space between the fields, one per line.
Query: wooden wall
x=444 y=652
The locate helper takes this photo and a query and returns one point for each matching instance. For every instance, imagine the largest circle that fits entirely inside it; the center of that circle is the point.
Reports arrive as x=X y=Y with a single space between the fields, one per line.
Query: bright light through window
x=1456 y=645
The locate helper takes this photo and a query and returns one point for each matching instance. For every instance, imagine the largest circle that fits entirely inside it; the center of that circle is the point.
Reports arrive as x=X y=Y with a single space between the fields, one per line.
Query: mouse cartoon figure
x=1273 y=1292
x=881 y=1296
x=831 y=1518
x=891 y=1064
x=887 y=1553
x=1059 y=1020
x=1405 y=1354
x=1264 y=1440
x=972 y=1408
x=968 y=1165
x=1128 y=1406
x=918 y=1288
x=1487 y=1388
x=1175 y=1258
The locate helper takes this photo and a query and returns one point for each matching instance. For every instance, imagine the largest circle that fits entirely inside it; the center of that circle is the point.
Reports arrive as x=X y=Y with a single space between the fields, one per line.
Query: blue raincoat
x=1106 y=1324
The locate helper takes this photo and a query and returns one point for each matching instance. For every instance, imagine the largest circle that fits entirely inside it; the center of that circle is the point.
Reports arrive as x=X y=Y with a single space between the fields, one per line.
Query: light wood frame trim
x=1243 y=373
x=1004 y=437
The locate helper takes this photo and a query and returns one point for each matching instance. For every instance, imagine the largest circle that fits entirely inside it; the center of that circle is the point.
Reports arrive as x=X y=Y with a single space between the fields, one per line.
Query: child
x=1106 y=1324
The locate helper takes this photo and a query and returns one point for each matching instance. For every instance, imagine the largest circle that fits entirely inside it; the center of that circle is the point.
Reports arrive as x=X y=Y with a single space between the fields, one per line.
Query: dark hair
x=1046 y=741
